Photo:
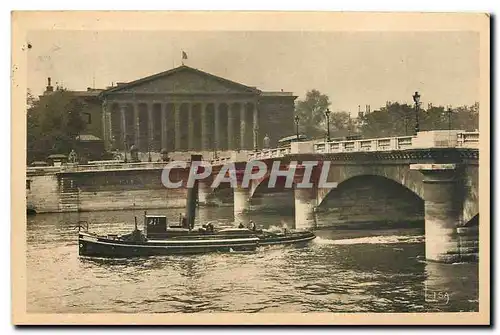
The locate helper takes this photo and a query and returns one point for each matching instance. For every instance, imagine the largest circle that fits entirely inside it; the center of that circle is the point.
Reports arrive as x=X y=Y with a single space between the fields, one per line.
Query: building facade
x=185 y=109
x=92 y=110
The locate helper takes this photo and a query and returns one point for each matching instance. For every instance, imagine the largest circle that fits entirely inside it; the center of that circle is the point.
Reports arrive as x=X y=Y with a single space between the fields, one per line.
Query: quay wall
x=42 y=193
x=101 y=190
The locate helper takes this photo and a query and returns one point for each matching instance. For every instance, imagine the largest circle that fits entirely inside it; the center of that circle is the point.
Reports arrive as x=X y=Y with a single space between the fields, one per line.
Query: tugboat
x=160 y=238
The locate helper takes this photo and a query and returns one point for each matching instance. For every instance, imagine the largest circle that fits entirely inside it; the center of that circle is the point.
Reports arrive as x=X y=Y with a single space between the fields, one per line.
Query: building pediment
x=182 y=80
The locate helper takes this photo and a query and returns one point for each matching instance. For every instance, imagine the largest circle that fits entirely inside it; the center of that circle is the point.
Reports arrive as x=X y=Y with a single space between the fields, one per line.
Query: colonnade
x=181 y=126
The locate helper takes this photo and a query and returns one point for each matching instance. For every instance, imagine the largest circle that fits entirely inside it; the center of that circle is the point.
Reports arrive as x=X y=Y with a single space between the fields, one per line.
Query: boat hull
x=96 y=246
x=296 y=239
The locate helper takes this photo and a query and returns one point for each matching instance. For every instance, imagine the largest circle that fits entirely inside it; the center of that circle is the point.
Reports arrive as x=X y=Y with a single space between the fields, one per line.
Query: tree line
x=394 y=119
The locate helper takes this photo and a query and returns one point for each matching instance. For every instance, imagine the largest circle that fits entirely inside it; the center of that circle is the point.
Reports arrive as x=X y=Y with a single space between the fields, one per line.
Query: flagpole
x=183 y=56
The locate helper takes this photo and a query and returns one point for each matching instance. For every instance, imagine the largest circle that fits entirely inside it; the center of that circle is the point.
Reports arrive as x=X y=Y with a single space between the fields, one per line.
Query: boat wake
x=389 y=239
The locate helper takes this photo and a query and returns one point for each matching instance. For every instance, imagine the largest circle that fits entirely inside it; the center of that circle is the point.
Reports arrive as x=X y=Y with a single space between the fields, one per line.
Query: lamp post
x=416 y=99
x=215 y=152
x=449 y=112
x=297 y=119
x=125 y=149
x=256 y=126
x=327 y=114
x=406 y=120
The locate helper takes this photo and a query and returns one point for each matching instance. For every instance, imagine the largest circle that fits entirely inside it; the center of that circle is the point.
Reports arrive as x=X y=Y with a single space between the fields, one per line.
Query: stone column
x=106 y=129
x=111 y=137
x=243 y=125
x=241 y=198
x=177 y=111
x=150 y=126
x=164 y=129
x=123 y=110
x=443 y=203
x=190 y=127
x=305 y=202
x=230 y=125
x=216 y=127
x=137 y=129
x=255 y=126
x=204 y=129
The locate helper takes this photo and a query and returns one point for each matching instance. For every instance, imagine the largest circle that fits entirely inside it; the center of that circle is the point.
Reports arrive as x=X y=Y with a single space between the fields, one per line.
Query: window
x=89 y=118
x=28 y=184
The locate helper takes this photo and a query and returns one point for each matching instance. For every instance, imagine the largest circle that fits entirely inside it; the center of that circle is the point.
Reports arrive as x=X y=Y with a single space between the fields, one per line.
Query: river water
x=369 y=269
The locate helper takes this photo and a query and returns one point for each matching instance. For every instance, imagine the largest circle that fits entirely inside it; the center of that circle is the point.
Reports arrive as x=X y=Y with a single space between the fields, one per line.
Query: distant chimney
x=49 y=87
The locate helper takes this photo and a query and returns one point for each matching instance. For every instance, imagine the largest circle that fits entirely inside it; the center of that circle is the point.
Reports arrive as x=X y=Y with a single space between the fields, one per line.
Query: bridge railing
x=269 y=153
x=42 y=169
x=221 y=161
x=112 y=166
x=462 y=139
x=375 y=144
x=468 y=139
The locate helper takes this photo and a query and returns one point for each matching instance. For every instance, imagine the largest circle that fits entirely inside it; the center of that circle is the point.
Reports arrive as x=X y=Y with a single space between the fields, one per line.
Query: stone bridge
x=432 y=177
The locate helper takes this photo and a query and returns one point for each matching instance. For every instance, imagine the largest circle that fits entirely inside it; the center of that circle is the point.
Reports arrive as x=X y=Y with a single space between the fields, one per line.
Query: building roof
x=182 y=68
x=277 y=94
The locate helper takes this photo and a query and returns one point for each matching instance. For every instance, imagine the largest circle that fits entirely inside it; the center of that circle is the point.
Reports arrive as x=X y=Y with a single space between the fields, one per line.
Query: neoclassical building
x=185 y=109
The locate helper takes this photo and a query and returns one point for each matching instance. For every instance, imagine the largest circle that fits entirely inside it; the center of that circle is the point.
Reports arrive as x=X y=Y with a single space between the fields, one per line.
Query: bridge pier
x=443 y=204
x=204 y=191
x=305 y=204
x=241 y=197
x=241 y=202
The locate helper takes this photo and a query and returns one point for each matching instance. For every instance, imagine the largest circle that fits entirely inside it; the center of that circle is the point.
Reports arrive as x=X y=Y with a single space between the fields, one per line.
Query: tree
x=311 y=113
x=53 y=123
x=466 y=117
x=342 y=124
x=397 y=119
x=434 y=118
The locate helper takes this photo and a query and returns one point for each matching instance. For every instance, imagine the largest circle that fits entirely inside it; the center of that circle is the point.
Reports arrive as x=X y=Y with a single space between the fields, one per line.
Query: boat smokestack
x=192 y=196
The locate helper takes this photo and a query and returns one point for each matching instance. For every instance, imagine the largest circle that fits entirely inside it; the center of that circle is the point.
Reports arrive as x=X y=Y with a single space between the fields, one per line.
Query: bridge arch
x=369 y=198
x=222 y=194
x=409 y=179
x=260 y=187
x=473 y=222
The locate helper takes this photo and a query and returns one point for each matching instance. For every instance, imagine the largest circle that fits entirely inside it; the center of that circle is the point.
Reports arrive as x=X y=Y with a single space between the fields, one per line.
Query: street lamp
x=327 y=114
x=125 y=149
x=449 y=112
x=256 y=126
x=297 y=119
x=416 y=99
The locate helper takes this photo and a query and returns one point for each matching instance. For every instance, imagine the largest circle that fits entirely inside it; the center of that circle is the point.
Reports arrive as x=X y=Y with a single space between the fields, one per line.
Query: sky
x=352 y=68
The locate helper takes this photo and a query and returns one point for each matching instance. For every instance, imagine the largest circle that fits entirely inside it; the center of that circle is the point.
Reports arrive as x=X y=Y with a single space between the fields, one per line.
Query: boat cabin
x=157 y=227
